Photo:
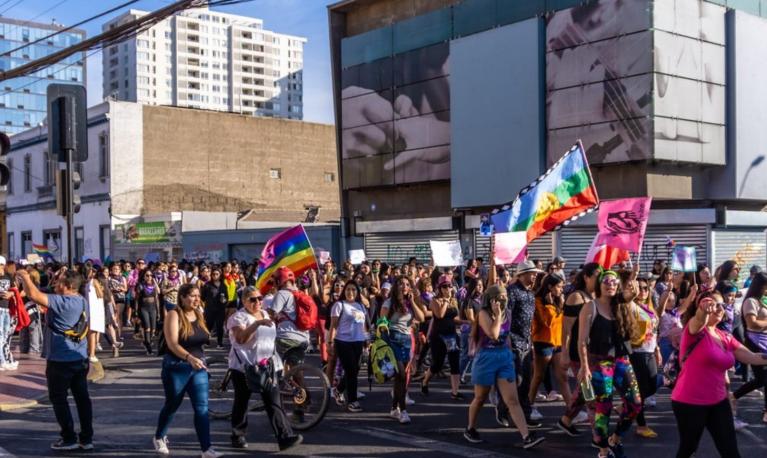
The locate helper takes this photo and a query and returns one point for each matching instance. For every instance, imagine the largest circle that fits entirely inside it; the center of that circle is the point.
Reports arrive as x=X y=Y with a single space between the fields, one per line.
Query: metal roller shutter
x=747 y=247
x=575 y=242
x=541 y=248
x=398 y=247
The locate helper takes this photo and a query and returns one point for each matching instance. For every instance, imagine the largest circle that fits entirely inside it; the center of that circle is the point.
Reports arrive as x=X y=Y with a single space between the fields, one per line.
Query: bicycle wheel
x=305 y=394
x=220 y=391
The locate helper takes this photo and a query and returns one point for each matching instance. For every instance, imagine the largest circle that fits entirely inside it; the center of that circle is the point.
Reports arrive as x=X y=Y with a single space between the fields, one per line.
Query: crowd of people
x=584 y=334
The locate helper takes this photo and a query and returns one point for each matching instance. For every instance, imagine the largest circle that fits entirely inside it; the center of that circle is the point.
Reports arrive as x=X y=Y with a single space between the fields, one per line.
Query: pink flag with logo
x=622 y=223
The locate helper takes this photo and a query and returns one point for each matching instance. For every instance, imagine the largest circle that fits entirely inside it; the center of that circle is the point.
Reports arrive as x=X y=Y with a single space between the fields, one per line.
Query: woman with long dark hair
x=183 y=369
x=700 y=399
x=443 y=338
x=754 y=315
x=547 y=336
x=586 y=283
x=645 y=354
x=605 y=325
x=346 y=339
x=398 y=314
x=148 y=306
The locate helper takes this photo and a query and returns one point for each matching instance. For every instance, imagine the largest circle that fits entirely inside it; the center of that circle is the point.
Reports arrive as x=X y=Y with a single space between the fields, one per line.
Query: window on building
x=27 y=174
x=330 y=177
x=50 y=171
x=275 y=174
x=52 y=240
x=103 y=155
x=11 y=245
x=26 y=243
x=79 y=243
x=105 y=242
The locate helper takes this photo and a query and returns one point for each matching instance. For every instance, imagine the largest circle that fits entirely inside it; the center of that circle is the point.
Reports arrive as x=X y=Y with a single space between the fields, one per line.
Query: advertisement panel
x=143 y=233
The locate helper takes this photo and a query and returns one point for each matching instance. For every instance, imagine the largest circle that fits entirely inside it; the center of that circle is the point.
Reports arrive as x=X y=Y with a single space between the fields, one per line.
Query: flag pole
x=314 y=253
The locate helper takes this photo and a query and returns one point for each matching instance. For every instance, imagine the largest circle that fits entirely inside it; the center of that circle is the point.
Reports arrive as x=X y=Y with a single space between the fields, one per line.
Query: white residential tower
x=207 y=60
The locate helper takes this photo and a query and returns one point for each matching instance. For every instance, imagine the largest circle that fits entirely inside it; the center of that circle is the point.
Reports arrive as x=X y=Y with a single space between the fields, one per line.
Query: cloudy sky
x=307 y=18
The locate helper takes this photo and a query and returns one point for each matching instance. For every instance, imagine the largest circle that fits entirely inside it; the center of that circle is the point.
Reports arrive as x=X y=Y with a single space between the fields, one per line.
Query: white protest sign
x=324 y=257
x=357 y=256
x=446 y=254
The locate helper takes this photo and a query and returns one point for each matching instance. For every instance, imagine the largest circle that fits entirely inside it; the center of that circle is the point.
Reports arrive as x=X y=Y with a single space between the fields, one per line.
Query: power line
x=11 y=7
x=35 y=17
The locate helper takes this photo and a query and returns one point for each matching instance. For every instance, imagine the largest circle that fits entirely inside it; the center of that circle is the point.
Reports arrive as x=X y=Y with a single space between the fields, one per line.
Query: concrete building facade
x=445 y=109
x=210 y=60
x=150 y=164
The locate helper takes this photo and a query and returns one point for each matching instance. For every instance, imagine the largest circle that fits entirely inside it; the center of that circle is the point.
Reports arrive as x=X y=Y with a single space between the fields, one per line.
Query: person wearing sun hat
x=521 y=309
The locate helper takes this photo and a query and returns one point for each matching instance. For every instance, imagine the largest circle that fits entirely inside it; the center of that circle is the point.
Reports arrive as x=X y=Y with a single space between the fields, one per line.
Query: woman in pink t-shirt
x=700 y=398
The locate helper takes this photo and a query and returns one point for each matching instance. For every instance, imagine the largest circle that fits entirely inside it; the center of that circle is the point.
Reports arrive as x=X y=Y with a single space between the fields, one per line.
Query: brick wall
x=222 y=162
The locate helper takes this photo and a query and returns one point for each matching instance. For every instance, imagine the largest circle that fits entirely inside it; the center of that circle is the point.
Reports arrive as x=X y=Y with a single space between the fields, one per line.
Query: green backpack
x=382 y=364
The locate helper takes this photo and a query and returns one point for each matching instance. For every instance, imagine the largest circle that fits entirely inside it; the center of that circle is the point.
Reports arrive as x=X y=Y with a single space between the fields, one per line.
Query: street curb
x=96 y=374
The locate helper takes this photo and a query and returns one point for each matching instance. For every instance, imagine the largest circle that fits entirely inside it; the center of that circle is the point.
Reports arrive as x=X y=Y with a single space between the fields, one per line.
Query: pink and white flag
x=510 y=247
x=622 y=223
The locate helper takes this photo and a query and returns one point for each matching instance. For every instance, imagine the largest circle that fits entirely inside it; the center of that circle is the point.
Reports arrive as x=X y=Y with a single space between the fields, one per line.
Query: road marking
x=4 y=452
x=430 y=444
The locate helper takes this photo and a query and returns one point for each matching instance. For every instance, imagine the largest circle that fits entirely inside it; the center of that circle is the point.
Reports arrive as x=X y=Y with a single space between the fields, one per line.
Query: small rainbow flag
x=42 y=251
x=289 y=248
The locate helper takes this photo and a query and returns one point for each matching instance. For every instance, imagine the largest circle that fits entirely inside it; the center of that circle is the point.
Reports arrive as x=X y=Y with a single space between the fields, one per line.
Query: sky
x=306 y=18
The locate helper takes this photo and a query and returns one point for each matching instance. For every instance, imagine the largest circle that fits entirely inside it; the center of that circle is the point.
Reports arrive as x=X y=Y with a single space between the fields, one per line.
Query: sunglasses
x=611 y=281
x=254 y=299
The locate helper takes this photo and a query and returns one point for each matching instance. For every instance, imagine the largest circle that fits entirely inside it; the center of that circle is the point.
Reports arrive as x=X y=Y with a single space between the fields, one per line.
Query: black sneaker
x=424 y=389
x=291 y=442
x=571 y=430
x=472 y=436
x=239 y=442
x=532 y=440
x=61 y=445
x=531 y=424
x=502 y=418
x=618 y=451
x=456 y=396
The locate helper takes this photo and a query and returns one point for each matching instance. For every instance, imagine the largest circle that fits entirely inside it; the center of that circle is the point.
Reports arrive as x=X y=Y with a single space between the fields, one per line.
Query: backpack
x=306 y=311
x=382 y=364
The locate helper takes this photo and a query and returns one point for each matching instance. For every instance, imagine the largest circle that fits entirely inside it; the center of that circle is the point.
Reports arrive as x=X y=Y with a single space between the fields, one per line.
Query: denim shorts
x=545 y=349
x=491 y=364
x=401 y=345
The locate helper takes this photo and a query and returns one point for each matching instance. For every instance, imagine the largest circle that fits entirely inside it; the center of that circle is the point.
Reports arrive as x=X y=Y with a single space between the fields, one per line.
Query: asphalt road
x=127 y=402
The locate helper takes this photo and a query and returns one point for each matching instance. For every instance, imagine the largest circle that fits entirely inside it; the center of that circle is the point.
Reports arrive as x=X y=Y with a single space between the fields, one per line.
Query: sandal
x=647 y=433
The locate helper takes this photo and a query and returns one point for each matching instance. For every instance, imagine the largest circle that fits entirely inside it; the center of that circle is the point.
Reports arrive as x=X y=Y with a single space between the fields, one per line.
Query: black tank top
x=575 y=310
x=194 y=342
x=445 y=326
x=604 y=338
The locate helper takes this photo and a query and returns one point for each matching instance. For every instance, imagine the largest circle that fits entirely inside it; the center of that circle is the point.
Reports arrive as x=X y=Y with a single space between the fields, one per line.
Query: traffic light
x=5 y=148
x=62 y=192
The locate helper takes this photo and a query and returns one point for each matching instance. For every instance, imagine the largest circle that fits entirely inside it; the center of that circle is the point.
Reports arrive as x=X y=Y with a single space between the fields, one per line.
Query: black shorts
x=292 y=352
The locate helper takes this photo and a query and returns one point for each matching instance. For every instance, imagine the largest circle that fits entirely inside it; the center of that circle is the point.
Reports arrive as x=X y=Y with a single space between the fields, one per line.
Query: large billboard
x=599 y=84
x=497 y=106
x=396 y=119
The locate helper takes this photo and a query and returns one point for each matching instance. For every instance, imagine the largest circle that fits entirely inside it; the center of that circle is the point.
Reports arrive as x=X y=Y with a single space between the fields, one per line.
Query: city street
x=127 y=401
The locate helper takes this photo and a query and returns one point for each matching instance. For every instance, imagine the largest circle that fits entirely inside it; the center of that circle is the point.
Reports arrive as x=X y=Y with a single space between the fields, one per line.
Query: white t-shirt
x=351 y=321
x=260 y=345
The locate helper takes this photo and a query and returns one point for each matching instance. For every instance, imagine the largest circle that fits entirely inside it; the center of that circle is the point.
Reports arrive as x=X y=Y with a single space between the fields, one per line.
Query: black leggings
x=438 y=353
x=692 y=419
x=646 y=372
x=759 y=380
x=214 y=320
x=148 y=316
x=349 y=353
x=272 y=404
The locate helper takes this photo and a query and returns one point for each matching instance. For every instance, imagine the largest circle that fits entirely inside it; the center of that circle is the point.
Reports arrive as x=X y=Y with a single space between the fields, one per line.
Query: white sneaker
x=581 y=418
x=98 y=347
x=540 y=397
x=161 y=446
x=740 y=425
x=210 y=453
x=554 y=397
x=11 y=366
x=535 y=415
x=360 y=395
x=409 y=401
x=394 y=413
x=404 y=418
x=651 y=402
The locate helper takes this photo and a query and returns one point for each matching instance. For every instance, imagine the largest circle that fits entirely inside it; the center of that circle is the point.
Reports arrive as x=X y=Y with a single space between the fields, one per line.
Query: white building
x=209 y=60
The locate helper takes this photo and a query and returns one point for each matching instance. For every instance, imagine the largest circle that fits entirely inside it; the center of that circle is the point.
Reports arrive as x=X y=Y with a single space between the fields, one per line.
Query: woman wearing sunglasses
x=494 y=365
x=645 y=355
x=443 y=338
x=700 y=399
x=252 y=334
x=605 y=327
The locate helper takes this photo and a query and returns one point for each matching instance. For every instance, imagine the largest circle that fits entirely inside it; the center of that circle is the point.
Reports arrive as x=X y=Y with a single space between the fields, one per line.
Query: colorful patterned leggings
x=607 y=376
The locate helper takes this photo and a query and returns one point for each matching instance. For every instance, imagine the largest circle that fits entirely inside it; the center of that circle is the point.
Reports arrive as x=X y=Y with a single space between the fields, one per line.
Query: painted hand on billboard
x=418 y=130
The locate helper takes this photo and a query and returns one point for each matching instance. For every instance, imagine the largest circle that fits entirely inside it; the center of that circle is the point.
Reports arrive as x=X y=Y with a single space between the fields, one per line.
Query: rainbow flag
x=563 y=194
x=42 y=251
x=289 y=248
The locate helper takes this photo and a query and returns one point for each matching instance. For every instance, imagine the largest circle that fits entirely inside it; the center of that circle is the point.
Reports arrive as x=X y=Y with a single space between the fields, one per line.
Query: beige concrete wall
x=210 y=161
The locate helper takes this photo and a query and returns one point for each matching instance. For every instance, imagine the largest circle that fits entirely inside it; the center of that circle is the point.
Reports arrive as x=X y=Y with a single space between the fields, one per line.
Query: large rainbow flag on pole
x=42 y=251
x=563 y=194
x=289 y=248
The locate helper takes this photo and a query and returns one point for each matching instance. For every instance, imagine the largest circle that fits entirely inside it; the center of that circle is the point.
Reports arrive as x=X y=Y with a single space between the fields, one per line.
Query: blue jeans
x=178 y=377
x=5 y=332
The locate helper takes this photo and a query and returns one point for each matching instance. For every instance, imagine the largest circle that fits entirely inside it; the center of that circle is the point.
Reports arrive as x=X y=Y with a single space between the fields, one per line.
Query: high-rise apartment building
x=207 y=60
x=23 y=100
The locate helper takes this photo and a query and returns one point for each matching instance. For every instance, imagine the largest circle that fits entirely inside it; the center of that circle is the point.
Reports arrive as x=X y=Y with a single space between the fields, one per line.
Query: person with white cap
x=521 y=309
x=6 y=325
